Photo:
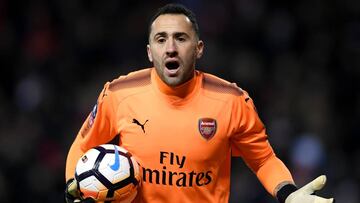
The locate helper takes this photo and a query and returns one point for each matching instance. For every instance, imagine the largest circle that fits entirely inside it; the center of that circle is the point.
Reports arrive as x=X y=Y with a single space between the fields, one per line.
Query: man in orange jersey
x=183 y=125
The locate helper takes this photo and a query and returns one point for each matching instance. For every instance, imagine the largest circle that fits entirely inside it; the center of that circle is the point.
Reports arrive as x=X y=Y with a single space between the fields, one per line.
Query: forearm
x=73 y=156
x=273 y=174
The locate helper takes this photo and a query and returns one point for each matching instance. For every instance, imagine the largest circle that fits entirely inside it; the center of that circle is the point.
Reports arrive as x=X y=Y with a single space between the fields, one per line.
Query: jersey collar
x=179 y=93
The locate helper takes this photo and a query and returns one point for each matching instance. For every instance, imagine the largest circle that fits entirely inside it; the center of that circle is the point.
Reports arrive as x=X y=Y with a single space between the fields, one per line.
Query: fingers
x=314 y=185
x=72 y=186
x=323 y=200
x=71 y=192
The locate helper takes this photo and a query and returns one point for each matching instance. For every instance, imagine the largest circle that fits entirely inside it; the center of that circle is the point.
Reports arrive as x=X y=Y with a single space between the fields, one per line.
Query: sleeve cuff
x=285 y=191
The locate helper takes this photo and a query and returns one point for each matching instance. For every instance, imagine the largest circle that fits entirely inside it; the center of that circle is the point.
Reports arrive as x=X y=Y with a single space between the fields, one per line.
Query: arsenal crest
x=207 y=127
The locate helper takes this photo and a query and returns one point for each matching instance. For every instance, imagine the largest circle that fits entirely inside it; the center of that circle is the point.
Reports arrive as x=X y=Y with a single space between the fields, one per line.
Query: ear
x=149 y=53
x=199 y=49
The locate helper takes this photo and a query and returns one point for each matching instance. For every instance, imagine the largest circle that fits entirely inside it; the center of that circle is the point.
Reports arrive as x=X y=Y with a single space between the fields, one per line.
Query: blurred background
x=299 y=60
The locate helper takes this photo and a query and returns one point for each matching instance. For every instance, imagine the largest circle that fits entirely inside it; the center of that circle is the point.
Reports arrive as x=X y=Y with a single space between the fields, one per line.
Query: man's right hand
x=72 y=194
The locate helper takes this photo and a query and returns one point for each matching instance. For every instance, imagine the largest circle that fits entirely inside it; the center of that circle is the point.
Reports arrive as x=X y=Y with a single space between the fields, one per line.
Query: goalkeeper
x=183 y=125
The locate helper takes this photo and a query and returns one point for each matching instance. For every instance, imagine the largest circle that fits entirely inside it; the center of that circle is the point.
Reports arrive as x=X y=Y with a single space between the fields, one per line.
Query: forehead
x=171 y=23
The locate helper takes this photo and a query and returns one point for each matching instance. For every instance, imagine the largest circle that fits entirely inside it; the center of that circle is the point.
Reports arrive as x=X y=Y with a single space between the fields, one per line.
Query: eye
x=181 y=39
x=160 y=40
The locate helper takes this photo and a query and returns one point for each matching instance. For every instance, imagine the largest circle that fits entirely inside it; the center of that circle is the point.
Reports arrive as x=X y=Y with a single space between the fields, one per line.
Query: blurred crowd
x=299 y=60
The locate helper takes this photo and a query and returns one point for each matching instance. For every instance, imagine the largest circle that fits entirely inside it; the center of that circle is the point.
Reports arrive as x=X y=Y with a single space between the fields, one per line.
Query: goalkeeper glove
x=72 y=194
x=304 y=194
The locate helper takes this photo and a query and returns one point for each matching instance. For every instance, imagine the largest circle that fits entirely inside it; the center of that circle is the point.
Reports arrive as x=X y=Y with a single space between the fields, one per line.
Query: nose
x=171 y=48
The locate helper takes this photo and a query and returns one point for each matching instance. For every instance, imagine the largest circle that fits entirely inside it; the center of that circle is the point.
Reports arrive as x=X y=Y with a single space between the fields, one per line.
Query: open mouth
x=172 y=68
x=172 y=65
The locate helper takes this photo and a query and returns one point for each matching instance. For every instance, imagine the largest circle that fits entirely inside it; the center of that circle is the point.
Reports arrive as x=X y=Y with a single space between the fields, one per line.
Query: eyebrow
x=160 y=34
x=176 y=34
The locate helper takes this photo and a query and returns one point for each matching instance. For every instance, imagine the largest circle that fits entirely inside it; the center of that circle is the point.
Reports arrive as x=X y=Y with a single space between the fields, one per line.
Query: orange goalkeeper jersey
x=183 y=137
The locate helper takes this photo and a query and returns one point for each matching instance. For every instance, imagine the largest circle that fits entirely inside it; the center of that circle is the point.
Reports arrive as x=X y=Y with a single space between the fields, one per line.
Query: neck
x=180 y=91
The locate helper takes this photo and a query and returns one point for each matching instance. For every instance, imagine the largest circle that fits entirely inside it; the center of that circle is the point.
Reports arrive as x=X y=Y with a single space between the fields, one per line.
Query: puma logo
x=141 y=125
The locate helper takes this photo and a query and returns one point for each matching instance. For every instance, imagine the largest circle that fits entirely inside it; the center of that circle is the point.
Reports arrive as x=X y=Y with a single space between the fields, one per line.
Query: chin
x=173 y=81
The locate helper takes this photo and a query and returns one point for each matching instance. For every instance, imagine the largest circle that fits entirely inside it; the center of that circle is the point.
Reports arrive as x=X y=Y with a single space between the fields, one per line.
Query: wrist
x=285 y=191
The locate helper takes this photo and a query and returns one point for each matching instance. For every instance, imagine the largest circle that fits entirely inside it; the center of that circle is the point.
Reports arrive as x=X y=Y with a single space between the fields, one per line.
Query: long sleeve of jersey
x=97 y=129
x=251 y=143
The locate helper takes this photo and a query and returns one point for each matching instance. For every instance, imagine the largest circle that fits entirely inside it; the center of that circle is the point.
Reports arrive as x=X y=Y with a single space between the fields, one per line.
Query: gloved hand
x=72 y=194
x=305 y=194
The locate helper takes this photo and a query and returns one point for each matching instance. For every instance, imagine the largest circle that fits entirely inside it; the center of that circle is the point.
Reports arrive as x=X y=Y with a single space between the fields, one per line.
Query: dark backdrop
x=299 y=60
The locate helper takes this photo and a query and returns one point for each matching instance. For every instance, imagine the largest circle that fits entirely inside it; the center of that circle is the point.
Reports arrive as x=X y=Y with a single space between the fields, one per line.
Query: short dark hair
x=176 y=9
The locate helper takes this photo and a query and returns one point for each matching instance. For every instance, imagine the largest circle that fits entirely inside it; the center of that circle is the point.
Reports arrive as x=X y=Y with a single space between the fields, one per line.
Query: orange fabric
x=183 y=137
x=277 y=171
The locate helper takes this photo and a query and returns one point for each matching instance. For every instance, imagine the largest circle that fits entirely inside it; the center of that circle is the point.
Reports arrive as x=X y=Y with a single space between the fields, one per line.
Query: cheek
x=157 y=64
x=155 y=55
x=190 y=56
x=156 y=60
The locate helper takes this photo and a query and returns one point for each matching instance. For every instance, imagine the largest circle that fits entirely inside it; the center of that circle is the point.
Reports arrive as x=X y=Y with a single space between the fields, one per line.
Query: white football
x=108 y=173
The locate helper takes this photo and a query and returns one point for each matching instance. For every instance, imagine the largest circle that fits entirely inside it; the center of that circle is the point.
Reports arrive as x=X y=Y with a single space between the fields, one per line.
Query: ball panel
x=87 y=161
x=114 y=176
x=91 y=184
x=103 y=196
x=89 y=193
